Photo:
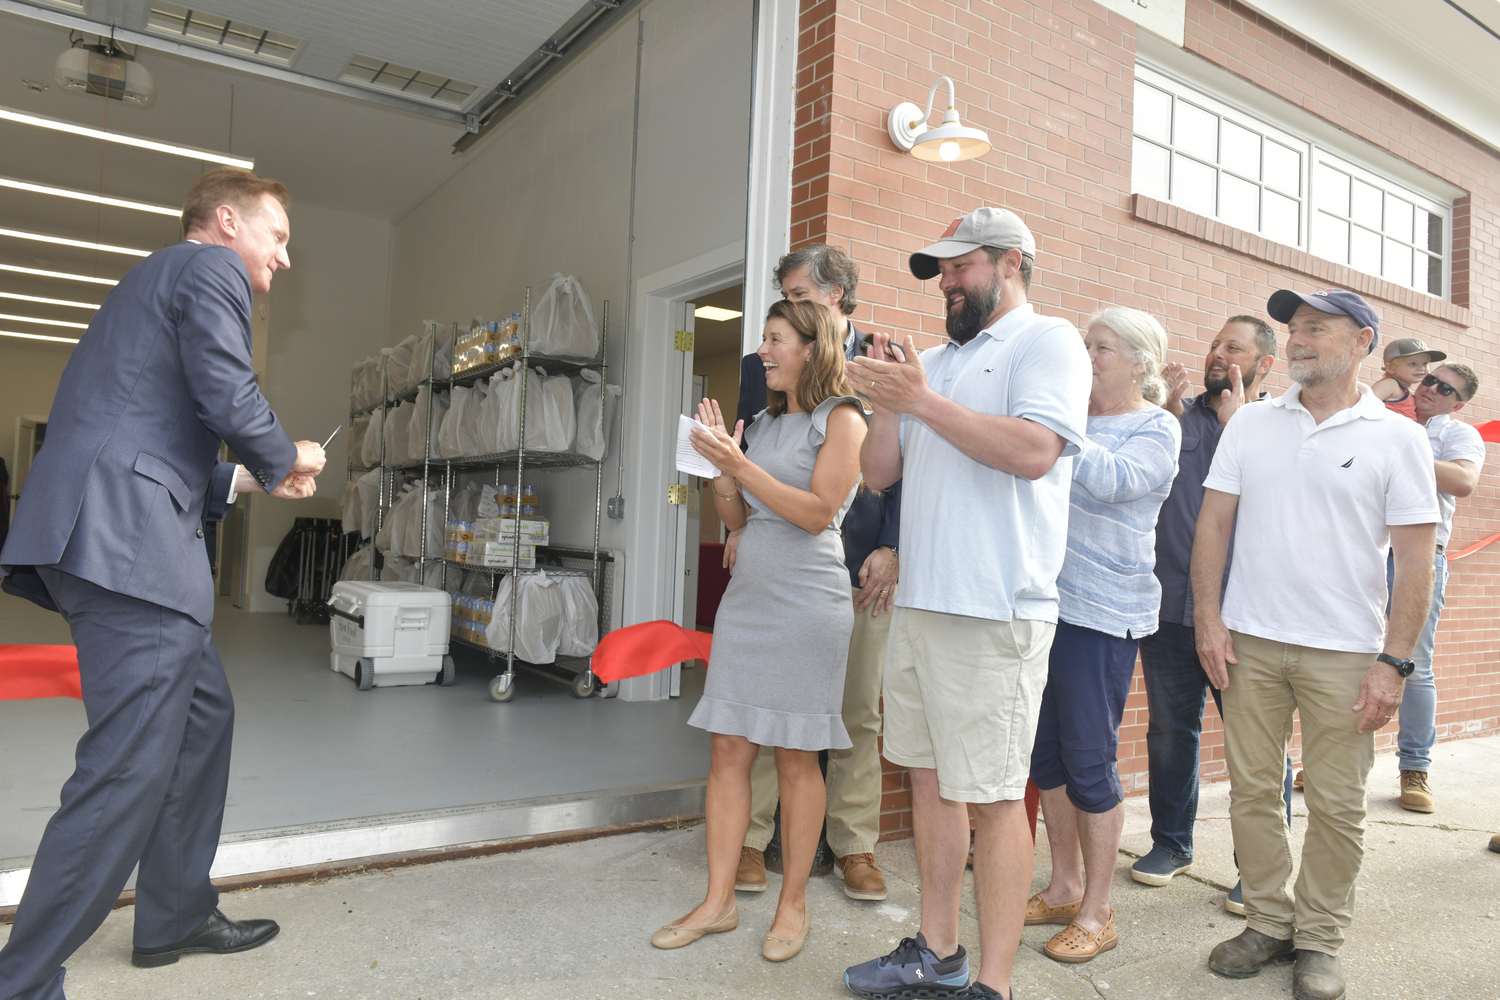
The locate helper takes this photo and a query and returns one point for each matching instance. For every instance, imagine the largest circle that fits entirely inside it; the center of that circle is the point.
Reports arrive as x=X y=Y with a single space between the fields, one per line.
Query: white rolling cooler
x=388 y=633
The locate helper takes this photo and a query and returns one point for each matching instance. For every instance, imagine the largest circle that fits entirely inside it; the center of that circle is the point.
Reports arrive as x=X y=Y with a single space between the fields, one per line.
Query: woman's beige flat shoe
x=779 y=949
x=674 y=935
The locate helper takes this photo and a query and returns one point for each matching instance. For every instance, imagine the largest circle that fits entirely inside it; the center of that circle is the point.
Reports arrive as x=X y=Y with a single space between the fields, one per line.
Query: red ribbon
x=637 y=650
x=1489 y=431
x=39 y=672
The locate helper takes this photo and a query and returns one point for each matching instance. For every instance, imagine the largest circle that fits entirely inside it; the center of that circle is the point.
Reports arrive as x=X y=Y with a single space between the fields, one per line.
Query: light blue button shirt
x=977 y=541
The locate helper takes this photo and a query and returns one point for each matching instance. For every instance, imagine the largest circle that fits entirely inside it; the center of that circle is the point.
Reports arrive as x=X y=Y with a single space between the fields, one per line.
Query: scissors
x=333 y=435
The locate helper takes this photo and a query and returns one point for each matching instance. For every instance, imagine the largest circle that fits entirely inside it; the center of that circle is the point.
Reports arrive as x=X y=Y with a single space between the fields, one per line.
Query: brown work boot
x=862 y=877
x=1242 y=957
x=751 y=874
x=1317 y=976
x=1416 y=796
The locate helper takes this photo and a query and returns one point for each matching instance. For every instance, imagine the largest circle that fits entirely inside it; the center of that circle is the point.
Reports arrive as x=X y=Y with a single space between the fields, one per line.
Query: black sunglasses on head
x=1443 y=388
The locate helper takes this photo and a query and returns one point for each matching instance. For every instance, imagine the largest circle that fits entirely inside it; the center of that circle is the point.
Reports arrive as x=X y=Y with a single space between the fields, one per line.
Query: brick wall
x=1052 y=83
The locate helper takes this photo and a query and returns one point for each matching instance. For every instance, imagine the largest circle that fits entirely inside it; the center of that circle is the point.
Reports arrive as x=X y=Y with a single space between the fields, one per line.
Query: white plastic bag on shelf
x=369 y=501
x=398 y=434
x=421 y=355
x=559 y=421
x=448 y=442
x=480 y=585
x=592 y=440
x=509 y=413
x=580 y=629
x=369 y=382
x=383 y=536
x=464 y=504
x=353 y=518
x=369 y=448
x=470 y=440
x=399 y=569
x=433 y=575
x=399 y=367
x=355 y=445
x=539 y=618
x=357 y=566
x=405 y=519
x=562 y=320
x=422 y=438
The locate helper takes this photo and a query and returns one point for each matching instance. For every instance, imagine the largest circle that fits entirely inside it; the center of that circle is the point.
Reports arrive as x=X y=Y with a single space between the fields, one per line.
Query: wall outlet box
x=617 y=507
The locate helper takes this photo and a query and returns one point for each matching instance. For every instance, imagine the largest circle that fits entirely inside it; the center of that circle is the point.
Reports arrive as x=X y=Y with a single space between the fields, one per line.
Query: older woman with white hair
x=1108 y=598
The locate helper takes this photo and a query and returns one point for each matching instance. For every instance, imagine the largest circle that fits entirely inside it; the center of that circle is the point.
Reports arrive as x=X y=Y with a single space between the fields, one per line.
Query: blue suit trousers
x=149 y=786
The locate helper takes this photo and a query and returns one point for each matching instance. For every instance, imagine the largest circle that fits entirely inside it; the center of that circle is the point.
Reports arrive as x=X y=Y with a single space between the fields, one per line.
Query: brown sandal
x=1074 y=944
x=1039 y=911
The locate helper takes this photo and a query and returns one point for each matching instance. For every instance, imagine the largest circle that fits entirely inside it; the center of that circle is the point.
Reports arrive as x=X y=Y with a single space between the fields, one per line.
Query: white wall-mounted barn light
x=950 y=141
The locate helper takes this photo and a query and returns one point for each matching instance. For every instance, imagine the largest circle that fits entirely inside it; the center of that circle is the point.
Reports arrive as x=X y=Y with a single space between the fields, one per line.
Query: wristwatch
x=1403 y=667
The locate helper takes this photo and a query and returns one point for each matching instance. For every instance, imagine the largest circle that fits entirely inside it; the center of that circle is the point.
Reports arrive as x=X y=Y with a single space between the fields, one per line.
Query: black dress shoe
x=218 y=935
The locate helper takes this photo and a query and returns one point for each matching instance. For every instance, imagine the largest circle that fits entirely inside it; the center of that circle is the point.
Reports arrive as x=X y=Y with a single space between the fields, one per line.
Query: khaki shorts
x=962 y=696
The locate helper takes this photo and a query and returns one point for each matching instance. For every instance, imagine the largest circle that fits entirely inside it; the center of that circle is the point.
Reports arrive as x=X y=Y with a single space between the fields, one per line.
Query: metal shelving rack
x=556 y=560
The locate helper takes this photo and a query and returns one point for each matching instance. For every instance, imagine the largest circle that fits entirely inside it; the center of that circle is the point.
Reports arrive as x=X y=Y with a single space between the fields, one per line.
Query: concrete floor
x=573 y=921
x=310 y=748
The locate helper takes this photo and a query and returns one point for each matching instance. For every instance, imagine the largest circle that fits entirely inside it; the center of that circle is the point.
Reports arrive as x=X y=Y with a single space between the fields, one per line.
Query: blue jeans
x=1419 y=701
x=1177 y=691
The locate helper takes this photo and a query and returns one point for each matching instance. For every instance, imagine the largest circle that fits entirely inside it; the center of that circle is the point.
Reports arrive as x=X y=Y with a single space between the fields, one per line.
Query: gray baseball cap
x=983 y=227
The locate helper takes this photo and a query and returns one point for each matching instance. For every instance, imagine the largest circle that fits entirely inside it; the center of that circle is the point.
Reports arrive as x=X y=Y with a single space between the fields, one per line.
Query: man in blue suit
x=109 y=532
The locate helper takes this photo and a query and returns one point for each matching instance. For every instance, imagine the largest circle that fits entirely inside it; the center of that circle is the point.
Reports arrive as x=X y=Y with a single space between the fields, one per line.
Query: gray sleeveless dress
x=781 y=637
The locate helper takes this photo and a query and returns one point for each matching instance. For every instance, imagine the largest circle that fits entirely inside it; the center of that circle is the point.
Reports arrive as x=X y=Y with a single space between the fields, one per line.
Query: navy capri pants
x=1078 y=734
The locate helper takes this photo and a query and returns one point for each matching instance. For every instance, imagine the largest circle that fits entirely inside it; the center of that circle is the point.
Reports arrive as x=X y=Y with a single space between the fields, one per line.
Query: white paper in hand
x=688 y=460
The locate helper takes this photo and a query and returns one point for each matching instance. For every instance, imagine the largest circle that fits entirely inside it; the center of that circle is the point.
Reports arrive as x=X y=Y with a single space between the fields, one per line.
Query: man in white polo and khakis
x=1321 y=479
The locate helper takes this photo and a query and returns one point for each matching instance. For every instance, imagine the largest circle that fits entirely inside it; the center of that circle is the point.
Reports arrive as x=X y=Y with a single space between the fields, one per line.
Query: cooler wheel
x=364 y=673
x=448 y=674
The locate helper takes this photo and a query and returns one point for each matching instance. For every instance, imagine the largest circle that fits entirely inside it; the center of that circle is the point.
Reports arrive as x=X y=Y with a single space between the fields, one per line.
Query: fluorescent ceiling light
x=98 y=199
x=16 y=234
x=48 y=302
x=191 y=152
x=38 y=336
x=43 y=322
x=38 y=272
x=716 y=314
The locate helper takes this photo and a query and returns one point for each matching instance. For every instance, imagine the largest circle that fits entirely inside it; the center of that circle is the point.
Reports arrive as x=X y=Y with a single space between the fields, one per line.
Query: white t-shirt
x=1316 y=503
x=977 y=541
x=1451 y=441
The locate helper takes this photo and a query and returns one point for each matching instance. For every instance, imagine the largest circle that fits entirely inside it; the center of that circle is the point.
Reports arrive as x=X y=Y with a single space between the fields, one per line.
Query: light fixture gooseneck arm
x=932 y=93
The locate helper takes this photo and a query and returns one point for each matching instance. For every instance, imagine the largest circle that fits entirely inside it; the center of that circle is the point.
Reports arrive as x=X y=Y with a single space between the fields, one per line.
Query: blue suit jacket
x=130 y=471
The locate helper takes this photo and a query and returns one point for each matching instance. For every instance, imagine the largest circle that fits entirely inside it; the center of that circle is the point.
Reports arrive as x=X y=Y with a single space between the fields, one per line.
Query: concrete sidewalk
x=573 y=921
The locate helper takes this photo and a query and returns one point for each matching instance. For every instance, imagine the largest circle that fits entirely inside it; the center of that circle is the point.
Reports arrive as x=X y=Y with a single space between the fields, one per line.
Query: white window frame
x=1215 y=90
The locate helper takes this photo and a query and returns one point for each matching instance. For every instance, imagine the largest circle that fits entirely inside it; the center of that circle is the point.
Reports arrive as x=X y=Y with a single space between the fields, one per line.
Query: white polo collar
x=1366 y=406
x=1001 y=328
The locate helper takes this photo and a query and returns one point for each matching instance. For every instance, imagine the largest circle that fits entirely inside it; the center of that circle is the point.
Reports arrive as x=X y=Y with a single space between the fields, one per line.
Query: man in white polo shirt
x=1458 y=455
x=1321 y=479
x=980 y=431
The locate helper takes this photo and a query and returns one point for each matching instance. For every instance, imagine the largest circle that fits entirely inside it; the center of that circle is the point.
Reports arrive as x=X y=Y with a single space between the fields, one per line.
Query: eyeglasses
x=1443 y=388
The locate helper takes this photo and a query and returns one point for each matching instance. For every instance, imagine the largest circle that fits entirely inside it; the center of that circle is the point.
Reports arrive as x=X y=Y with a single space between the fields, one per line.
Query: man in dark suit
x=109 y=532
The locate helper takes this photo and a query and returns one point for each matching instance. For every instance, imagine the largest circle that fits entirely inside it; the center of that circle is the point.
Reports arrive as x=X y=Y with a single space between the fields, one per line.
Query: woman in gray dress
x=781 y=640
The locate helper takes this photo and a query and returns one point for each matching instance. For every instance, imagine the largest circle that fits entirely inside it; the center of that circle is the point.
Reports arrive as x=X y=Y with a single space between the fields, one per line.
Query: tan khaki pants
x=1271 y=680
x=853 y=774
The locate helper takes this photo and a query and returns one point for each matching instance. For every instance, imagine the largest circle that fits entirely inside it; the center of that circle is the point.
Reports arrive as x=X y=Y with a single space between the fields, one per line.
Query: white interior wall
x=29 y=373
x=550 y=191
x=326 y=312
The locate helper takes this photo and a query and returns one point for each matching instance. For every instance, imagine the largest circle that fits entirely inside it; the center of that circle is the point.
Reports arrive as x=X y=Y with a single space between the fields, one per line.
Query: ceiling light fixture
x=66 y=276
x=48 y=302
x=43 y=322
x=38 y=336
x=716 y=314
x=908 y=129
x=190 y=152
x=89 y=196
x=63 y=241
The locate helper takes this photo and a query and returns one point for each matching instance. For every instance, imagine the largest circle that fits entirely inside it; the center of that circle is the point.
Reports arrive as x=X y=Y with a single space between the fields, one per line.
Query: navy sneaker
x=1159 y=867
x=1235 y=901
x=912 y=970
x=979 y=991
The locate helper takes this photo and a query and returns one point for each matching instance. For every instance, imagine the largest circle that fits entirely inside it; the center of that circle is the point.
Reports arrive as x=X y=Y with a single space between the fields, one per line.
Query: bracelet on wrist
x=724 y=496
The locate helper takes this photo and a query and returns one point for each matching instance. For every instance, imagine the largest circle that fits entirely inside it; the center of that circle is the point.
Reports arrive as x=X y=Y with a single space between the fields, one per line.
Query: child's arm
x=1386 y=388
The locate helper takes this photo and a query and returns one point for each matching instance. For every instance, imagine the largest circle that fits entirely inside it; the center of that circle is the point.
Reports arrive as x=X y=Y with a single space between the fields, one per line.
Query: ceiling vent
x=233 y=37
x=433 y=88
